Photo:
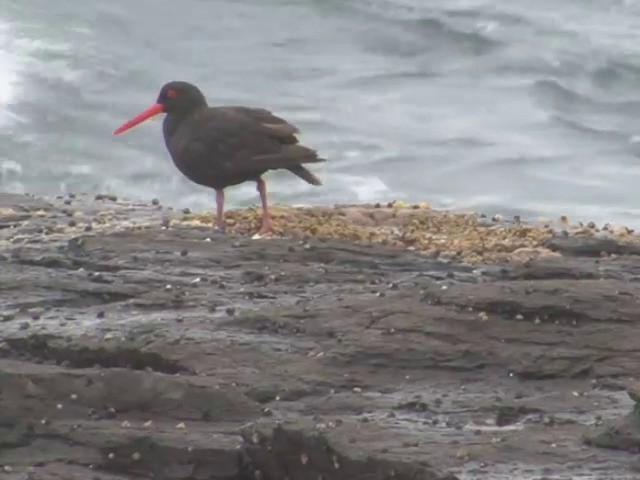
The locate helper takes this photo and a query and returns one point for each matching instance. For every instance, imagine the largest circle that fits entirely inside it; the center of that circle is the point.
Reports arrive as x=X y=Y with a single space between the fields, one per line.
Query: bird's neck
x=173 y=120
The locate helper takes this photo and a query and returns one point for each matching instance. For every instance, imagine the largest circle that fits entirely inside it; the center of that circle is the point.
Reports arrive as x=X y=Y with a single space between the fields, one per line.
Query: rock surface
x=134 y=345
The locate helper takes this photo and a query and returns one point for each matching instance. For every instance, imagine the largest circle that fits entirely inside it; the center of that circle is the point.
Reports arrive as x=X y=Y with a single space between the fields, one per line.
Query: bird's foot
x=265 y=231
x=267 y=226
x=258 y=235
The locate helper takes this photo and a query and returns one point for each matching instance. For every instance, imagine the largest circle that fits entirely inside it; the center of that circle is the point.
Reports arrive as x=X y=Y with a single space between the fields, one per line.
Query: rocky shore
x=362 y=342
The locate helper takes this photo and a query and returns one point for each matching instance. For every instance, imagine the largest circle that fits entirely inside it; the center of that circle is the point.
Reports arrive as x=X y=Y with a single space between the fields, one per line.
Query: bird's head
x=179 y=98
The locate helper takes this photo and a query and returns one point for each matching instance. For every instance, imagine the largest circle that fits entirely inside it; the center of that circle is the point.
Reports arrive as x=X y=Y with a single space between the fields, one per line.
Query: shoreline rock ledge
x=363 y=342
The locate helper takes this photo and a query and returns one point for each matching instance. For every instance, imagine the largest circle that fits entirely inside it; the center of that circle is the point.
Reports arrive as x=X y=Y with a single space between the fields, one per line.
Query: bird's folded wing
x=270 y=123
x=234 y=142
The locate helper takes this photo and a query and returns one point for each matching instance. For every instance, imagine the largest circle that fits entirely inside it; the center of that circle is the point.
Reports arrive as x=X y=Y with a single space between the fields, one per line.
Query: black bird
x=223 y=146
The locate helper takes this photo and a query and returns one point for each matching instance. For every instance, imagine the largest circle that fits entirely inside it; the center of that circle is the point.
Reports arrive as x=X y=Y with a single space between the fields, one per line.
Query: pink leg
x=219 y=211
x=266 y=219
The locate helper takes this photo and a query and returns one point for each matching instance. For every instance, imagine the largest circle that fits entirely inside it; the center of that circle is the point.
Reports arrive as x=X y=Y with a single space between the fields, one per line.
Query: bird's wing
x=226 y=141
x=270 y=123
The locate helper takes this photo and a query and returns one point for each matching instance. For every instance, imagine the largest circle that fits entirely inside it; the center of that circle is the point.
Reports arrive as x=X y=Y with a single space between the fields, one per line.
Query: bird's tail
x=305 y=174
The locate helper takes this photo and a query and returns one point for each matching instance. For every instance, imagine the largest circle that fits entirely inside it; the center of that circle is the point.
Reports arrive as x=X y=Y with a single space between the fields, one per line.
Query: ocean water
x=497 y=107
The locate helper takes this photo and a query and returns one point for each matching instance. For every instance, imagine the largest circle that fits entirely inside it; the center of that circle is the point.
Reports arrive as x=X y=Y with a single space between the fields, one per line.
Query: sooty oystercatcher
x=223 y=146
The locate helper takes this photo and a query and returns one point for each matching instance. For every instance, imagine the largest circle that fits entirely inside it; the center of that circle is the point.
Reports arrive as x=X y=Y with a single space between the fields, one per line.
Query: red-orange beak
x=148 y=113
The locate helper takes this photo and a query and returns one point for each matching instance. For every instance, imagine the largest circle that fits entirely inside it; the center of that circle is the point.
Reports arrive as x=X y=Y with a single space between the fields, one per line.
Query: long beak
x=148 y=113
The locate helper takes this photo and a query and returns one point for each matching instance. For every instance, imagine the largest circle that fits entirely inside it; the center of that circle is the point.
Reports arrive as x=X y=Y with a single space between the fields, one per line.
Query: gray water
x=512 y=107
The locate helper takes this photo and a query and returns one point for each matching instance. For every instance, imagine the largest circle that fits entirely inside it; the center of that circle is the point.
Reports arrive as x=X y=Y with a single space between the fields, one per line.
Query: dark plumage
x=223 y=146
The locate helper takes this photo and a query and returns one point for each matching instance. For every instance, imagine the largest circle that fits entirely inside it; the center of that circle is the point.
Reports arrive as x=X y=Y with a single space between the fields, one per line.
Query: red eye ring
x=171 y=94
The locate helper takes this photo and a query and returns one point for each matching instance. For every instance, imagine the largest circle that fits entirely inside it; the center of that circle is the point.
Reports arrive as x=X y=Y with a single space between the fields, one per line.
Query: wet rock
x=262 y=395
x=508 y=414
x=414 y=406
x=252 y=276
x=7 y=316
x=623 y=433
x=305 y=456
x=311 y=347
x=592 y=246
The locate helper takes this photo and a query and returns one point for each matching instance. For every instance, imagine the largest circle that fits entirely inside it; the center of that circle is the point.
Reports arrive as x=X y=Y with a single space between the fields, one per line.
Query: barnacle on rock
x=418 y=227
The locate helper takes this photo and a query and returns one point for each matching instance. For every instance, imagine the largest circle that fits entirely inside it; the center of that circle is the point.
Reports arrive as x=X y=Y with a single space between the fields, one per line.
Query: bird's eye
x=171 y=94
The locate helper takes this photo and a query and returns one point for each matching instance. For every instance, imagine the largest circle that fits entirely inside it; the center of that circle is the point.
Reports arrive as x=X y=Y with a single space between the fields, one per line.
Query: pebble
x=184 y=252
x=155 y=201
x=96 y=277
x=101 y=314
x=102 y=196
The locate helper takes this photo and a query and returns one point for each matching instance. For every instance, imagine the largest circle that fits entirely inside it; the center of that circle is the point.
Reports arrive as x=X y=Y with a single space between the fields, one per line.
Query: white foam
x=10 y=167
x=32 y=51
x=367 y=188
x=8 y=69
x=10 y=173
x=19 y=54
